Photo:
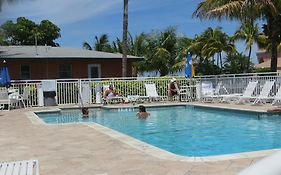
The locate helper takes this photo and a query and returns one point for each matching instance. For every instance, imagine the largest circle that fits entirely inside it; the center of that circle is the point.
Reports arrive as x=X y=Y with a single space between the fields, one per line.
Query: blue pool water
x=187 y=130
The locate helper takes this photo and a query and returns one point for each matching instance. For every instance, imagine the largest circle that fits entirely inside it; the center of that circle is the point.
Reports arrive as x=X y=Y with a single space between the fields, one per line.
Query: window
x=25 y=72
x=65 y=71
x=94 y=71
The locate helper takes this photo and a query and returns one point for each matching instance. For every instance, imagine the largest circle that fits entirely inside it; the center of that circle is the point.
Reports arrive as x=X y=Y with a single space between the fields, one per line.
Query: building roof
x=30 y=52
x=267 y=63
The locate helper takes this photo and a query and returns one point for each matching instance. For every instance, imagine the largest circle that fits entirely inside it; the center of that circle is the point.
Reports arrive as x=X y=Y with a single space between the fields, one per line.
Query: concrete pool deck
x=79 y=149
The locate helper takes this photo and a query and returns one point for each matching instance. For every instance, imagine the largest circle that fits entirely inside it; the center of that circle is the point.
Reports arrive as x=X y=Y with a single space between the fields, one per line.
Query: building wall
x=264 y=56
x=49 y=69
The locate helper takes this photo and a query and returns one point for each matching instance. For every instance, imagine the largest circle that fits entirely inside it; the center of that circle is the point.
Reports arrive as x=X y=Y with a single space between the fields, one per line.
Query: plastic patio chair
x=5 y=99
x=265 y=92
x=151 y=92
x=247 y=95
x=210 y=94
x=24 y=97
x=277 y=98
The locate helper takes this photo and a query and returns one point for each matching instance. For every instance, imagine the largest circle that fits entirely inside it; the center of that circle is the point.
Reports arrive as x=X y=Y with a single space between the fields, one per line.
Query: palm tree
x=125 y=36
x=101 y=44
x=161 y=52
x=117 y=46
x=249 y=33
x=236 y=9
x=216 y=43
x=137 y=46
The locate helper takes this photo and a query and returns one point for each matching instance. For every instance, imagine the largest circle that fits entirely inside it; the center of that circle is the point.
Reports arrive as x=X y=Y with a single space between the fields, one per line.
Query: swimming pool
x=187 y=130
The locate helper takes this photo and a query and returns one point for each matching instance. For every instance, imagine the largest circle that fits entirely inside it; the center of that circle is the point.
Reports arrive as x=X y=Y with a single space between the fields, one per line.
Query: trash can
x=49 y=98
x=49 y=92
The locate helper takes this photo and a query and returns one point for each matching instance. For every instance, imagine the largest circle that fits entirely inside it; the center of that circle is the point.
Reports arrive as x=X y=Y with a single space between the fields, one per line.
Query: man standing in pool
x=142 y=114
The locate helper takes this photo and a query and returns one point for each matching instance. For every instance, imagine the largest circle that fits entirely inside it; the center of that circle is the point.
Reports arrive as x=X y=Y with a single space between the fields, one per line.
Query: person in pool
x=142 y=112
x=85 y=112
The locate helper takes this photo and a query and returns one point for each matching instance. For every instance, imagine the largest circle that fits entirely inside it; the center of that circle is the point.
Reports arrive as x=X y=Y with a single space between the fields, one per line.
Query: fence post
x=40 y=97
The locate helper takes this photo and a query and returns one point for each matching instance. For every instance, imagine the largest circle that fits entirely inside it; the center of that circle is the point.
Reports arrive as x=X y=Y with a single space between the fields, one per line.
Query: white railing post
x=40 y=97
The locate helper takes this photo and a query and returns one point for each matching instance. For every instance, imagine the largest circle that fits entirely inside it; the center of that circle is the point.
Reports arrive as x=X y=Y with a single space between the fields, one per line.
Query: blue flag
x=189 y=69
x=5 y=77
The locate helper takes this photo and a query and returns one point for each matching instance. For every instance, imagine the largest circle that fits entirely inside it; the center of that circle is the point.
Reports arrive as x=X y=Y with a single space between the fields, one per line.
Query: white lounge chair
x=207 y=91
x=247 y=95
x=209 y=94
x=277 y=97
x=265 y=92
x=26 y=167
x=266 y=166
x=151 y=92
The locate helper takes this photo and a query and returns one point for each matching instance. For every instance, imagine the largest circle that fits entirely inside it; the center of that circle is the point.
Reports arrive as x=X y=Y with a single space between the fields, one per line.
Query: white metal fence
x=72 y=91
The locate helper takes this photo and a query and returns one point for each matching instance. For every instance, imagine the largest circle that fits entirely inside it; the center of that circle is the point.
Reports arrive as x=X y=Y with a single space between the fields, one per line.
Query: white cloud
x=59 y=11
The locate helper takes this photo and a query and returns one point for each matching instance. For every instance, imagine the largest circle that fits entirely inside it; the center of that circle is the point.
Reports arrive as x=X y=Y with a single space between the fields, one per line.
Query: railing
x=67 y=90
x=236 y=83
x=71 y=91
x=33 y=94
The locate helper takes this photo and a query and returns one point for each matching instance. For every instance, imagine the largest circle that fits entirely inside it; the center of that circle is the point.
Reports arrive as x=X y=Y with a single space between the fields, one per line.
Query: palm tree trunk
x=274 y=55
x=249 y=58
x=274 y=43
x=125 y=38
x=220 y=60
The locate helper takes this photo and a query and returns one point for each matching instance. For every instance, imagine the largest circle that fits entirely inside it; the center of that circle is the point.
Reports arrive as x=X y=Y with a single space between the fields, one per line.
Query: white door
x=94 y=71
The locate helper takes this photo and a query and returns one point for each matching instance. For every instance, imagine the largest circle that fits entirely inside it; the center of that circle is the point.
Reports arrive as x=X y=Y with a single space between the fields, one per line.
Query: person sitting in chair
x=173 y=88
x=109 y=92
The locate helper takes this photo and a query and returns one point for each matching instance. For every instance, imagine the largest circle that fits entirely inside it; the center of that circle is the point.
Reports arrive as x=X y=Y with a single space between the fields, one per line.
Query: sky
x=82 y=20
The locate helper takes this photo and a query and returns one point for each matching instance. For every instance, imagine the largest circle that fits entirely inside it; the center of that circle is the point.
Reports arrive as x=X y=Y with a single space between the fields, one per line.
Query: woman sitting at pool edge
x=142 y=112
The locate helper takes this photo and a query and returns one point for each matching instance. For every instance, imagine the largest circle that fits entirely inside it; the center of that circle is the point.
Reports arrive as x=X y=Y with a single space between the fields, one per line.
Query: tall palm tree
x=125 y=38
x=249 y=33
x=236 y=9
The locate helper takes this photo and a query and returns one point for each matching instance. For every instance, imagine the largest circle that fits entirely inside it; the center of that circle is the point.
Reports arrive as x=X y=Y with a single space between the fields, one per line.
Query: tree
x=216 y=42
x=19 y=33
x=237 y=9
x=48 y=32
x=210 y=43
x=25 y=32
x=137 y=46
x=161 y=52
x=125 y=36
x=249 y=33
x=237 y=63
x=101 y=44
x=117 y=46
